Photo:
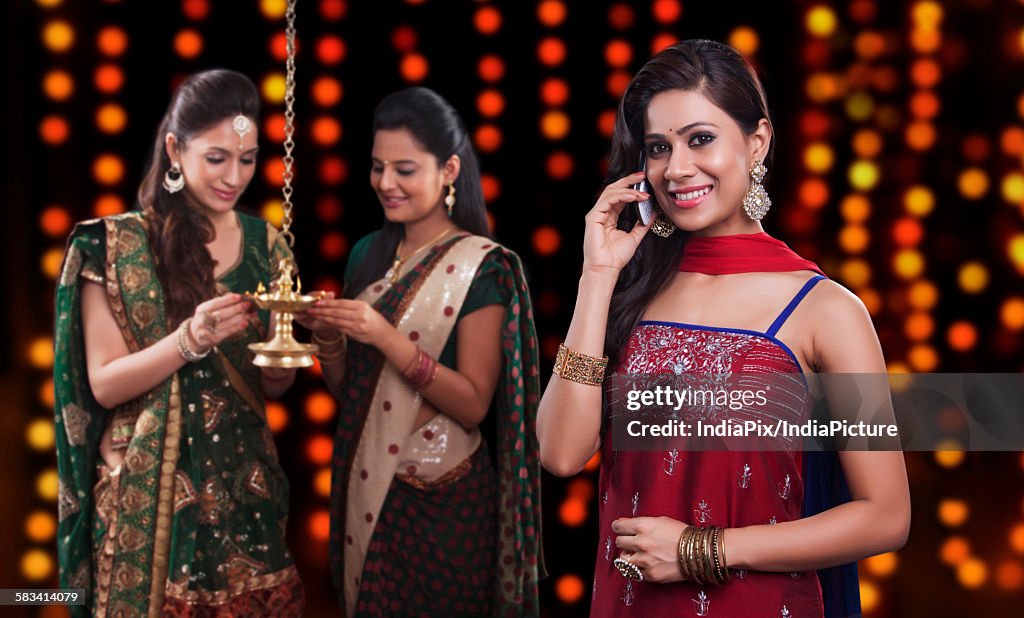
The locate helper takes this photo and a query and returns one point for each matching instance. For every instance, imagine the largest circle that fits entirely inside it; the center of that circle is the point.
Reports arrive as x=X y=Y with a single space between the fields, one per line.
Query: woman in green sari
x=172 y=500
x=434 y=336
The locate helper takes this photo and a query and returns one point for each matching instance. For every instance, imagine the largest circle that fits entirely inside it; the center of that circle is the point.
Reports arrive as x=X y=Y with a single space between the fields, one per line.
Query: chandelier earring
x=662 y=225
x=174 y=180
x=756 y=202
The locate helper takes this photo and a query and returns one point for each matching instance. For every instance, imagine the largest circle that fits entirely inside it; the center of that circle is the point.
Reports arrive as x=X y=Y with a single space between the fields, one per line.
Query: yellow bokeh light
x=973 y=277
x=51 y=262
x=919 y=201
x=818 y=157
x=972 y=573
x=273 y=212
x=927 y=14
x=954 y=550
x=40 y=352
x=882 y=565
x=58 y=36
x=859 y=106
x=821 y=21
x=554 y=125
x=39 y=434
x=274 y=87
x=47 y=485
x=895 y=369
x=40 y=526
x=973 y=183
x=855 y=273
x=36 y=565
x=273 y=9
x=855 y=208
x=923 y=358
x=948 y=454
x=744 y=40
x=923 y=295
x=48 y=4
x=863 y=175
x=1012 y=188
x=1012 y=313
x=953 y=512
x=854 y=238
x=1015 y=251
x=908 y=264
x=869 y=596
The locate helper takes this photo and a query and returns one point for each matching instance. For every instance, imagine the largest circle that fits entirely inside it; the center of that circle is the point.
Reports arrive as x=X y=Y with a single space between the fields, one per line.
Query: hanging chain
x=289 y=125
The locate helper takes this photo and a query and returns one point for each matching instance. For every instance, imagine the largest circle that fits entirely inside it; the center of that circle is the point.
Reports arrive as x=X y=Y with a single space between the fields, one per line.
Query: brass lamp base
x=283 y=350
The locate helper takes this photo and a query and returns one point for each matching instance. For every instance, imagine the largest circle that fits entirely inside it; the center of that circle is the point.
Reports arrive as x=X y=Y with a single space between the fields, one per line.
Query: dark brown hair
x=178 y=230
x=721 y=74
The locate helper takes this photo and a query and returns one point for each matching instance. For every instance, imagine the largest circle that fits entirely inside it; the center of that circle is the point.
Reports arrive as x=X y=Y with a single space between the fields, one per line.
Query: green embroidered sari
x=192 y=522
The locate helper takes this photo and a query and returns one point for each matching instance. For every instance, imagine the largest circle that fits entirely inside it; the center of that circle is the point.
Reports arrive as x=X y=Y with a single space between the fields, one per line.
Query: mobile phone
x=645 y=208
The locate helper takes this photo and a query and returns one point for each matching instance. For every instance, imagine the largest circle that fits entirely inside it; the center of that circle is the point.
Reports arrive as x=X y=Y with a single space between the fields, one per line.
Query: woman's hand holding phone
x=607 y=249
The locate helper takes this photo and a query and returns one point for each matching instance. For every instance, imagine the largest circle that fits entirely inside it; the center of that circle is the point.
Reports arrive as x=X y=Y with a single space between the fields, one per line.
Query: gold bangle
x=323 y=343
x=578 y=367
x=328 y=355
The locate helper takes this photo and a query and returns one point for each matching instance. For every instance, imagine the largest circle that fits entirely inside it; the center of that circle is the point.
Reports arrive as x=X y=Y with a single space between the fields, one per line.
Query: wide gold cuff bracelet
x=579 y=367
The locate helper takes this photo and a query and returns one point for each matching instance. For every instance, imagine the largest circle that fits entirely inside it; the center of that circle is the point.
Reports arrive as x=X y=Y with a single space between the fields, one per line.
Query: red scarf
x=740 y=253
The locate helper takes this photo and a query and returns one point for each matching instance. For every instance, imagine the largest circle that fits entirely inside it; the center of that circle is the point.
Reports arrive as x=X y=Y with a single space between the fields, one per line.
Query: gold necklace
x=396 y=266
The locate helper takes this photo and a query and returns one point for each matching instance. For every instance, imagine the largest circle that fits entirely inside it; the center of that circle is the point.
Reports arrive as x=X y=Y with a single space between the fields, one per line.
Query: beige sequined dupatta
x=427 y=317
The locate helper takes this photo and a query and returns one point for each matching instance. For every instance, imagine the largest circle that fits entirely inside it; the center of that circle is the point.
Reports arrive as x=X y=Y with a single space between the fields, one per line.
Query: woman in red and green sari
x=435 y=505
x=172 y=500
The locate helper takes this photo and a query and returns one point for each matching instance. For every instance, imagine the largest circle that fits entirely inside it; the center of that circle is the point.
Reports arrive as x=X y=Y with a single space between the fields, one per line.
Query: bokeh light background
x=898 y=167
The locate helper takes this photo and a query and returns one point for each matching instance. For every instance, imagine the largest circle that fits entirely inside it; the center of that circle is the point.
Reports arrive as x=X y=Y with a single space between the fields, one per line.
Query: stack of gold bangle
x=579 y=367
x=328 y=355
x=702 y=555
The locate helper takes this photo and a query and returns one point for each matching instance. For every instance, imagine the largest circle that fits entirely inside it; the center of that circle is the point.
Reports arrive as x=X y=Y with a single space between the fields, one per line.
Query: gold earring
x=756 y=202
x=174 y=180
x=449 y=200
x=662 y=225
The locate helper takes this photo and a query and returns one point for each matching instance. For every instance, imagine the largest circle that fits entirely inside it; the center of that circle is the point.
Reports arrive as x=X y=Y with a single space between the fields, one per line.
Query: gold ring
x=627 y=569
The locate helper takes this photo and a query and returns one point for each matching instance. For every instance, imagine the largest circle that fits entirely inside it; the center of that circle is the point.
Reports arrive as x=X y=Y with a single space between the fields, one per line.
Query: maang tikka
x=241 y=125
x=756 y=202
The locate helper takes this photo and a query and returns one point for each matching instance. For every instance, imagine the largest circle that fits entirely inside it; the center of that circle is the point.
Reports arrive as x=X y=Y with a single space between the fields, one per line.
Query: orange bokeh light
x=333 y=10
x=491 y=187
x=920 y=135
x=1009 y=575
x=196 y=10
x=663 y=40
x=331 y=50
x=487 y=20
x=319 y=449
x=814 y=193
x=320 y=525
x=573 y=512
x=546 y=240
x=569 y=588
x=551 y=51
x=617 y=83
x=320 y=406
x=188 y=44
x=491 y=68
x=55 y=221
x=560 y=165
x=962 y=336
x=58 y=85
x=554 y=92
x=273 y=172
x=327 y=91
x=924 y=104
x=326 y=130
x=1012 y=141
x=108 y=204
x=955 y=550
x=490 y=103
x=54 y=130
x=277 y=416
x=111 y=118
x=919 y=326
x=333 y=170
x=551 y=13
x=554 y=125
x=414 y=68
x=606 y=122
x=108 y=169
x=273 y=127
x=744 y=40
x=404 y=39
x=487 y=138
x=925 y=73
x=333 y=246
x=666 y=11
x=108 y=78
x=907 y=232
x=58 y=36
x=593 y=463
x=618 y=53
x=621 y=16
x=112 y=41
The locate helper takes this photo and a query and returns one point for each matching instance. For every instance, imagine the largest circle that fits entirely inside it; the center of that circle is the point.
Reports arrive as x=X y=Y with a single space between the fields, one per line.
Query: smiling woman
x=714 y=532
x=172 y=500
